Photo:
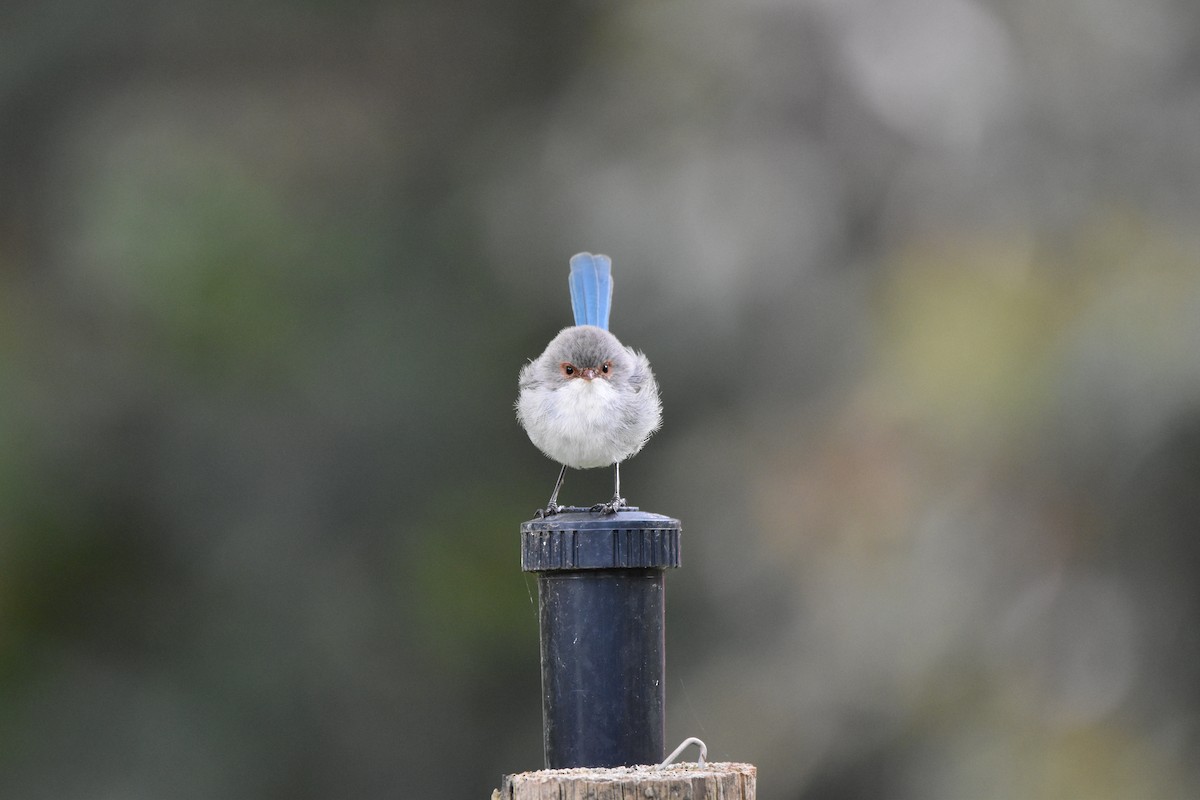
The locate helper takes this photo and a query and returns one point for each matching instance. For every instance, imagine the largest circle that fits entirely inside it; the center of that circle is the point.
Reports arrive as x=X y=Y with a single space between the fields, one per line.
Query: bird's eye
x=567 y=368
x=606 y=367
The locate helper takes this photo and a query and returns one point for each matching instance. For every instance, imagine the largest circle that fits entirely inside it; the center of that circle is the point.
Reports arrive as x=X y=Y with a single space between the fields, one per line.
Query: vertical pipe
x=601 y=599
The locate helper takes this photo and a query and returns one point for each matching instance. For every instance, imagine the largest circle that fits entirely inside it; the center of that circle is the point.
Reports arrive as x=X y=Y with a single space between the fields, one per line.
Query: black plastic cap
x=587 y=540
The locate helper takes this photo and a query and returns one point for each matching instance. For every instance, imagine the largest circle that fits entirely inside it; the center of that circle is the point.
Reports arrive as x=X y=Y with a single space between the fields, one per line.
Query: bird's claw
x=611 y=507
x=548 y=511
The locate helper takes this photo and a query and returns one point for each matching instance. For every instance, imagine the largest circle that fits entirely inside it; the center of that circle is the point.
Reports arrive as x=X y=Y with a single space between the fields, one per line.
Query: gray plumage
x=588 y=420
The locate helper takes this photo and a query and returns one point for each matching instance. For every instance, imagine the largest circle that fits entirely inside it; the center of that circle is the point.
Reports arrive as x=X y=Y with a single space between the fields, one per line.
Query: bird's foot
x=549 y=511
x=612 y=506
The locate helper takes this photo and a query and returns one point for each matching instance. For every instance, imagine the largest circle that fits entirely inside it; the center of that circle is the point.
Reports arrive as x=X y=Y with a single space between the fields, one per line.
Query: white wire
x=686 y=743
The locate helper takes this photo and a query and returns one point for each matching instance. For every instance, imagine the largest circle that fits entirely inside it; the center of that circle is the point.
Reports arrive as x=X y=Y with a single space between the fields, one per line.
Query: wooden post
x=721 y=781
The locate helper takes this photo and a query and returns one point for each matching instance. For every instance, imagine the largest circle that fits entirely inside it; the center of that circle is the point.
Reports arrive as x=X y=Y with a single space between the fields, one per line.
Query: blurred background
x=919 y=280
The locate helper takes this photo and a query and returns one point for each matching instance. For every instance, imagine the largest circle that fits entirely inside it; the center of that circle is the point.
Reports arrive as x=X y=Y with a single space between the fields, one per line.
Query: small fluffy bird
x=588 y=400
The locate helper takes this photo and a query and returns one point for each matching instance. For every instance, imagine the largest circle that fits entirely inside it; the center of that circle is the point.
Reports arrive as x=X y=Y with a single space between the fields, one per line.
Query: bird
x=589 y=401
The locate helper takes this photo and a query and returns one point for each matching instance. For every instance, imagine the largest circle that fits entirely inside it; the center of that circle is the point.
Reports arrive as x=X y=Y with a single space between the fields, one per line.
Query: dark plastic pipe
x=601 y=593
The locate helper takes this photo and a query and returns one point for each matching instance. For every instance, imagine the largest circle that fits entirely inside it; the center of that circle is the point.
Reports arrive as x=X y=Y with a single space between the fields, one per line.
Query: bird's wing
x=591 y=289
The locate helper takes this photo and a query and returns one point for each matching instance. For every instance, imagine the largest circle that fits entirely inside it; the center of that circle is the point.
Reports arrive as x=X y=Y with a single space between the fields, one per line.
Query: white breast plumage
x=583 y=422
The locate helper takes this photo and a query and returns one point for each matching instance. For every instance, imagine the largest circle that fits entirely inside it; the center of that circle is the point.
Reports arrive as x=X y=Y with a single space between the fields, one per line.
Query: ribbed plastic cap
x=586 y=540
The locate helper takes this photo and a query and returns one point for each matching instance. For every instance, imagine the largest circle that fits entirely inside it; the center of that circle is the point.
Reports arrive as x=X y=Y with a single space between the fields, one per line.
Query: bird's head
x=587 y=353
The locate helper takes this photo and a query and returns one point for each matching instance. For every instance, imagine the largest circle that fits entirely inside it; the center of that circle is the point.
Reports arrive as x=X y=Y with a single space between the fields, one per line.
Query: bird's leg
x=553 y=507
x=617 y=503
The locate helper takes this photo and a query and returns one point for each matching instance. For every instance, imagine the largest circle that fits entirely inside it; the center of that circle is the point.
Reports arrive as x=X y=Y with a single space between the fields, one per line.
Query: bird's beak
x=588 y=374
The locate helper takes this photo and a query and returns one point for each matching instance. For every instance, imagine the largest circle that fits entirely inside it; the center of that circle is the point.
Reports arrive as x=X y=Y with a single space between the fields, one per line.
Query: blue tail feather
x=591 y=289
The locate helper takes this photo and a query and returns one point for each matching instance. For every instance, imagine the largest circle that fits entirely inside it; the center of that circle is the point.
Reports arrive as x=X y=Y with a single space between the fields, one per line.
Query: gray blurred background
x=919 y=279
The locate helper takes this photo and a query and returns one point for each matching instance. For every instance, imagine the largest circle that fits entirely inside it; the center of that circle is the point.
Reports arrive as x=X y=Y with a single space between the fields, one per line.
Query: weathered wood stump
x=721 y=781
